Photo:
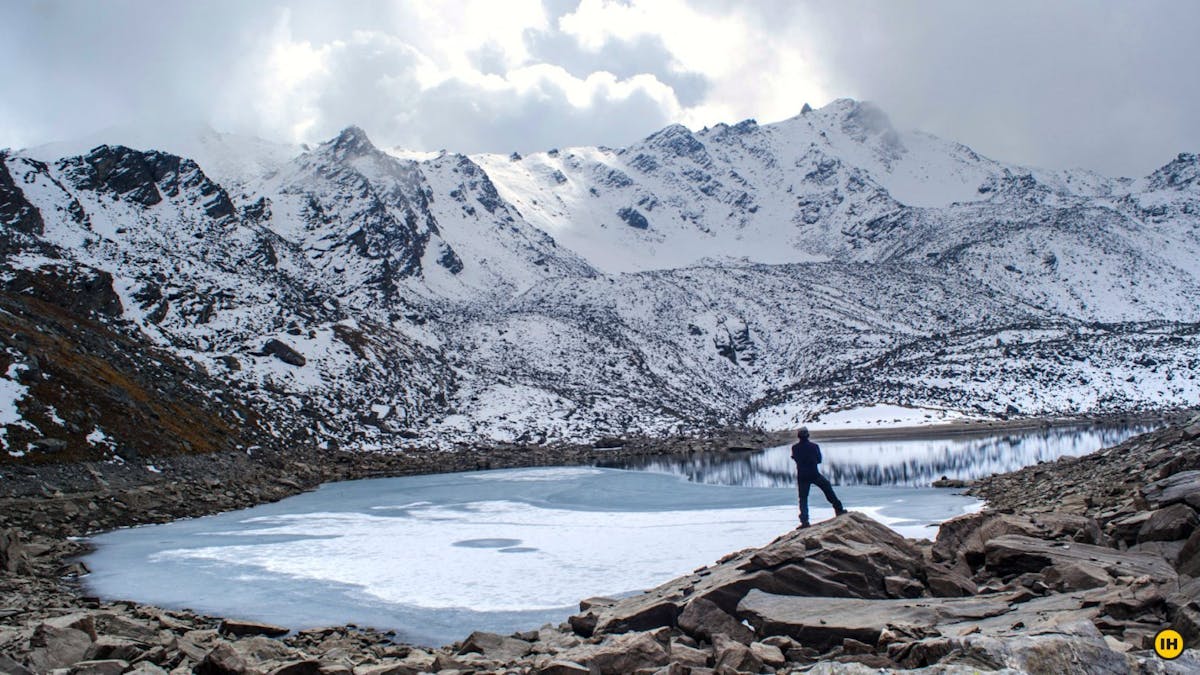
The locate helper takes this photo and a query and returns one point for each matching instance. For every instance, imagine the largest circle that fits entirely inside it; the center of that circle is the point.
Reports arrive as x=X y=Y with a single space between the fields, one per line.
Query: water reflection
x=910 y=462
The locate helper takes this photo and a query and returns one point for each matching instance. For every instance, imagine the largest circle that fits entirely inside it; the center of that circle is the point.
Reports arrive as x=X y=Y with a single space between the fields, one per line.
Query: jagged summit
x=761 y=273
x=350 y=142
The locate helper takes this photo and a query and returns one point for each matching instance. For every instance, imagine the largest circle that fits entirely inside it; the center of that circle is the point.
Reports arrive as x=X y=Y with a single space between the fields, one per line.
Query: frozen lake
x=434 y=557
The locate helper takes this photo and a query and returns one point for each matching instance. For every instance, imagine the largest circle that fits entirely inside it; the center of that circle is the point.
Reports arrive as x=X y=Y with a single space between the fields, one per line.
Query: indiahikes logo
x=1168 y=644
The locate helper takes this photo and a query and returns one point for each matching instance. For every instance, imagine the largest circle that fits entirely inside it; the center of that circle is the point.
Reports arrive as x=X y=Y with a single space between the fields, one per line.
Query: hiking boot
x=839 y=511
x=802 y=526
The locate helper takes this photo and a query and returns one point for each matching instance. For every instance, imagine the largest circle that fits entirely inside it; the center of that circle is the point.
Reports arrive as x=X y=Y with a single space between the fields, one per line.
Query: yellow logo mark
x=1168 y=644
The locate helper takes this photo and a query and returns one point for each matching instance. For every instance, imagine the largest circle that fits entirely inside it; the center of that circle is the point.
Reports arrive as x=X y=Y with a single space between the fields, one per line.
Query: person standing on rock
x=807 y=455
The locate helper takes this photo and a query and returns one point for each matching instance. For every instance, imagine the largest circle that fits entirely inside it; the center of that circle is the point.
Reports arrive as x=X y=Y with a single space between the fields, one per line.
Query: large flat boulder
x=1012 y=555
x=823 y=623
x=620 y=654
x=1182 y=487
x=1170 y=523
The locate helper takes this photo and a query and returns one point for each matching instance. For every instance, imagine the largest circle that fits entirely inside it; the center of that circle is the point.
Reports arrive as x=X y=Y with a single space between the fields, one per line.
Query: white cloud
x=1093 y=83
x=751 y=73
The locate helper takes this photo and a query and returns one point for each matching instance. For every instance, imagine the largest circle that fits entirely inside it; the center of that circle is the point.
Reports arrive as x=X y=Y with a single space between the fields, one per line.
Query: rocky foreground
x=1074 y=567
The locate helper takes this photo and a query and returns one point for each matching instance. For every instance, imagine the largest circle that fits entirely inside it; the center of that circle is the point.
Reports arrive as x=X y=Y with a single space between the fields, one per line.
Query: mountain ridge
x=744 y=274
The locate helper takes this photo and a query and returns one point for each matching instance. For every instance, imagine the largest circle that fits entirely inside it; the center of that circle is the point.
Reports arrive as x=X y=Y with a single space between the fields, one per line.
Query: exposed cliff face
x=696 y=279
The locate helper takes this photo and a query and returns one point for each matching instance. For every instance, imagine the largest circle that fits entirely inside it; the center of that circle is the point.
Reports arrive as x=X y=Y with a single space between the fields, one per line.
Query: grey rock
x=1169 y=523
x=110 y=623
x=824 y=623
x=1188 y=560
x=1079 y=648
x=560 y=667
x=848 y=556
x=107 y=647
x=57 y=647
x=78 y=621
x=1075 y=576
x=767 y=654
x=620 y=654
x=13 y=558
x=145 y=668
x=390 y=668
x=965 y=538
x=729 y=654
x=702 y=619
x=689 y=656
x=1012 y=555
x=100 y=667
x=222 y=660
x=283 y=352
x=1182 y=487
x=903 y=587
x=11 y=667
x=244 y=628
x=945 y=583
x=303 y=667
x=498 y=647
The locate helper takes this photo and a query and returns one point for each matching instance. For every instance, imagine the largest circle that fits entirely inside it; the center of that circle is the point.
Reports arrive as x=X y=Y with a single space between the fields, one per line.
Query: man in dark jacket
x=807 y=455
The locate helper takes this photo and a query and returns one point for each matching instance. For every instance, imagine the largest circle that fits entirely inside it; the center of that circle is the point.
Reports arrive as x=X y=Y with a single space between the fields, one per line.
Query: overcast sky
x=1111 y=86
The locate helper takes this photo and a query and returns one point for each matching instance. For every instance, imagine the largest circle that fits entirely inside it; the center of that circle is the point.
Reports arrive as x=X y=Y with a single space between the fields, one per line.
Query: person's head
x=802 y=434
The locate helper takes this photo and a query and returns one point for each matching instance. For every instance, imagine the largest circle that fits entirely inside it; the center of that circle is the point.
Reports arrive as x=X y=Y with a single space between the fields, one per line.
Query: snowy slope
x=692 y=280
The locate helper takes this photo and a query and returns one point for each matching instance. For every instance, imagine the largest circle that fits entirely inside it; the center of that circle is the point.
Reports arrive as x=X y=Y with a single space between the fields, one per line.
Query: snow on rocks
x=741 y=274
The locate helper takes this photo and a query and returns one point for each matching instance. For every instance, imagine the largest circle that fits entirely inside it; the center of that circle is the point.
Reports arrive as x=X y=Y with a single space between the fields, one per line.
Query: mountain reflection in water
x=912 y=462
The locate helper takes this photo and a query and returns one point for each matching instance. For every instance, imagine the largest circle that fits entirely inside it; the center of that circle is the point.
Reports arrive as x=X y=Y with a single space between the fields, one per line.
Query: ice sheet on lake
x=438 y=556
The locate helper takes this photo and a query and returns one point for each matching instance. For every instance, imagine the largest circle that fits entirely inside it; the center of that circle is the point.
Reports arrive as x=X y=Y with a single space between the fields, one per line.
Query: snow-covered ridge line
x=689 y=281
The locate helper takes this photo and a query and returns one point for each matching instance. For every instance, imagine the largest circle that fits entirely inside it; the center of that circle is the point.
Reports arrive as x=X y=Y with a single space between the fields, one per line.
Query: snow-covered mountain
x=738 y=274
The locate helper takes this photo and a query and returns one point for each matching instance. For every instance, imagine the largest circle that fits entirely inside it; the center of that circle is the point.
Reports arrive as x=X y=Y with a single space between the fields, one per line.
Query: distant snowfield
x=881 y=416
x=438 y=556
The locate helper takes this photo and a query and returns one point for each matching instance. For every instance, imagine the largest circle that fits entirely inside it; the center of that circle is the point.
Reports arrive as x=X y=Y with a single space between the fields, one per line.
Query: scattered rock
x=244 y=628
x=57 y=643
x=1182 y=487
x=1075 y=576
x=222 y=660
x=729 y=654
x=560 y=667
x=620 y=654
x=101 y=667
x=1169 y=523
x=767 y=654
x=283 y=352
x=702 y=619
x=498 y=647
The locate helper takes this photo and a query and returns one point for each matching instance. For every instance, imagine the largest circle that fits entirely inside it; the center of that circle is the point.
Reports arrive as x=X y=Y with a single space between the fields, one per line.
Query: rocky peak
x=676 y=140
x=144 y=177
x=351 y=142
x=1180 y=173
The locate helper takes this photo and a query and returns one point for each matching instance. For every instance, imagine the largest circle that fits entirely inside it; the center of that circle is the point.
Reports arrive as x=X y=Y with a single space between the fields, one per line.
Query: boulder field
x=1072 y=567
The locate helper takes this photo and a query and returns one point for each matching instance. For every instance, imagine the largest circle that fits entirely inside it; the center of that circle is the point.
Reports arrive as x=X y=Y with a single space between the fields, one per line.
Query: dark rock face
x=145 y=177
x=84 y=291
x=283 y=352
x=633 y=218
x=15 y=210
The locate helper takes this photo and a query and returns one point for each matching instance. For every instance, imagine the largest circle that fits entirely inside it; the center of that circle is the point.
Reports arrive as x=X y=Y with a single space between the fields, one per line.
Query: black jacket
x=806 y=455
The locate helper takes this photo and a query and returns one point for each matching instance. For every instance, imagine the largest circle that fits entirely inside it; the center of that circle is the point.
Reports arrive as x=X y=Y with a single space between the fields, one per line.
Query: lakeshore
x=43 y=587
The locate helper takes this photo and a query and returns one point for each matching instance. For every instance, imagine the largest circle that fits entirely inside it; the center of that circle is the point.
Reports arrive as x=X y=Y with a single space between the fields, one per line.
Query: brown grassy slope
x=85 y=370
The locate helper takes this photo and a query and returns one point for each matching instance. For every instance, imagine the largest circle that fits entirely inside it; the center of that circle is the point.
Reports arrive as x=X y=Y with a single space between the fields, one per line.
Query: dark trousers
x=804 y=481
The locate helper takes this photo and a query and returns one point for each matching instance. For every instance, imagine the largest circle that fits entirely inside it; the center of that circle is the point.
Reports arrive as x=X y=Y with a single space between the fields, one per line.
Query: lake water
x=435 y=557
x=916 y=462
